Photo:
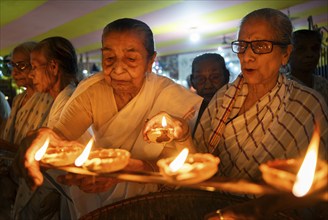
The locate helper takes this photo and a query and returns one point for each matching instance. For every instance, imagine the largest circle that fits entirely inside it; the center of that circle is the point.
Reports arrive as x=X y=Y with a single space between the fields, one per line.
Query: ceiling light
x=194 y=37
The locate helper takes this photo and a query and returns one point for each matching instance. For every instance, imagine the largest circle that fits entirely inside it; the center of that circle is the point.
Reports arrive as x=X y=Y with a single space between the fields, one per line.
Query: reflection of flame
x=164 y=124
x=84 y=155
x=306 y=173
x=39 y=154
x=178 y=162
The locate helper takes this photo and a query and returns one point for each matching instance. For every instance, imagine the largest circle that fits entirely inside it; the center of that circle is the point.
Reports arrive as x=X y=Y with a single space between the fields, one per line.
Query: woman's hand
x=25 y=165
x=180 y=126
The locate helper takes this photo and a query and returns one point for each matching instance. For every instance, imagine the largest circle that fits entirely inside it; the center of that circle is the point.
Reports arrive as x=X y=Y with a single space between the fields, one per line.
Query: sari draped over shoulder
x=123 y=129
x=279 y=125
x=32 y=115
x=32 y=203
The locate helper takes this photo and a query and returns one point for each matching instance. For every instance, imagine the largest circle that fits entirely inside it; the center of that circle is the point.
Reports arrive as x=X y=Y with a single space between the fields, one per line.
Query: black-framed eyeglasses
x=258 y=46
x=21 y=66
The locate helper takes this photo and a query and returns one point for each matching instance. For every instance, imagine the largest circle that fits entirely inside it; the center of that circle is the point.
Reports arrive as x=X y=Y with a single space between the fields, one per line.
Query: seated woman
x=262 y=115
x=116 y=103
x=55 y=72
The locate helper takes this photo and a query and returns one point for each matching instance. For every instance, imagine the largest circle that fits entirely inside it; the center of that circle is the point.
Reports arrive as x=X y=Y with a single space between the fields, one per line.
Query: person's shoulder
x=305 y=94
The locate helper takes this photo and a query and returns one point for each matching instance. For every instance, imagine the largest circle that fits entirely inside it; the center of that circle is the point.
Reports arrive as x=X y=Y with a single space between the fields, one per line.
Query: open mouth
x=246 y=70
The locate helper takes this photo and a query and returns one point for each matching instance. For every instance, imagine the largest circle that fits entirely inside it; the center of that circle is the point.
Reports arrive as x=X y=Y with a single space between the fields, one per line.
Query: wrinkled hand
x=97 y=184
x=180 y=126
x=25 y=165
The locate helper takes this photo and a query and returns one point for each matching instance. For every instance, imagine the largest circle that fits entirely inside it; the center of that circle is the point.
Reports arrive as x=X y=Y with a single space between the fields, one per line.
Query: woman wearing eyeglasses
x=261 y=116
x=54 y=71
x=29 y=109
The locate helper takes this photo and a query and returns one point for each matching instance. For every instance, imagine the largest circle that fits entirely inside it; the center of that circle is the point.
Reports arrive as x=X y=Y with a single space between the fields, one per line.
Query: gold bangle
x=219 y=213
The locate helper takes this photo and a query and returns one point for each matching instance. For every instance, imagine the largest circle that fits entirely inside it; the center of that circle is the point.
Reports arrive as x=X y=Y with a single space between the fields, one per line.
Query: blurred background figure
x=54 y=72
x=29 y=109
x=208 y=75
x=305 y=58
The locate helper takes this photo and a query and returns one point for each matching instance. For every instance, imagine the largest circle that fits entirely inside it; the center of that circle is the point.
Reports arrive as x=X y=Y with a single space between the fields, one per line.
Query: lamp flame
x=164 y=123
x=40 y=153
x=84 y=155
x=305 y=175
x=178 y=162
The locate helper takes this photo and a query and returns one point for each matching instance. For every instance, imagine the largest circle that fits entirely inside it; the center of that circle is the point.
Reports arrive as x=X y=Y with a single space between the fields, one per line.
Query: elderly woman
x=55 y=72
x=261 y=116
x=29 y=109
x=208 y=74
x=116 y=103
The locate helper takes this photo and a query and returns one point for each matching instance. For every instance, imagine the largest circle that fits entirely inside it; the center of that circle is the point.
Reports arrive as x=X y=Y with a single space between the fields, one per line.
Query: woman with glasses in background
x=262 y=115
x=29 y=111
x=30 y=108
x=54 y=71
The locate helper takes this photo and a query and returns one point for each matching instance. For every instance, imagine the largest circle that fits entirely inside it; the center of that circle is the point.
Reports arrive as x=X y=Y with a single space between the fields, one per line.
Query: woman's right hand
x=24 y=164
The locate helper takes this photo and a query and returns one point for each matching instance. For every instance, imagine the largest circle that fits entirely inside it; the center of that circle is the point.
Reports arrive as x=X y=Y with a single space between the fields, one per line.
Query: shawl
x=279 y=125
x=28 y=117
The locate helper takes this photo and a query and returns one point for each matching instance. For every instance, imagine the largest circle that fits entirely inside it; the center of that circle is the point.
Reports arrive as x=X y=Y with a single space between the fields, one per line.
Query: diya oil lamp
x=99 y=160
x=102 y=160
x=57 y=156
x=188 y=168
x=296 y=177
x=162 y=134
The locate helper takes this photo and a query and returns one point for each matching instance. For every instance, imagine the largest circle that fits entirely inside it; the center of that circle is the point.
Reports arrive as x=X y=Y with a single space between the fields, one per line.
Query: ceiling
x=171 y=21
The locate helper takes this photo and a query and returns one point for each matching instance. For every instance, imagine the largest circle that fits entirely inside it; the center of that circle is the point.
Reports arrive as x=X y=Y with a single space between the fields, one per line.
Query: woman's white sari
x=93 y=103
x=31 y=204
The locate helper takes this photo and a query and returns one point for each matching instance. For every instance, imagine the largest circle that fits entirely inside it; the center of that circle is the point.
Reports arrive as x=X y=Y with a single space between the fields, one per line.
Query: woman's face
x=261 y=68
x=21 y=76
x=125 y=62
x=42 y=72
x=208 y=77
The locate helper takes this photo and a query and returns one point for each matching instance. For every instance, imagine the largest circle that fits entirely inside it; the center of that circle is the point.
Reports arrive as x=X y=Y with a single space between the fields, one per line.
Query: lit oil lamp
x=103 y=160
x=292 y=175
x=57 y=156
x=162 y=134
x=84 y=156
x=40 y=153
x=188 y=169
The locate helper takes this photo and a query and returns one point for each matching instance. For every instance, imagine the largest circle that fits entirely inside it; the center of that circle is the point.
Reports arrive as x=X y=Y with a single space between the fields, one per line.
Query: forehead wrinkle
x=109 y=49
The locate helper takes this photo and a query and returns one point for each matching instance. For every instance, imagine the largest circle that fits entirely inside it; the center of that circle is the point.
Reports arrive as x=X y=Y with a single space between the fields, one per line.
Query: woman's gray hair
x=60 y=49
x=129 y=24
x=25 y=48
x=280 y=23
